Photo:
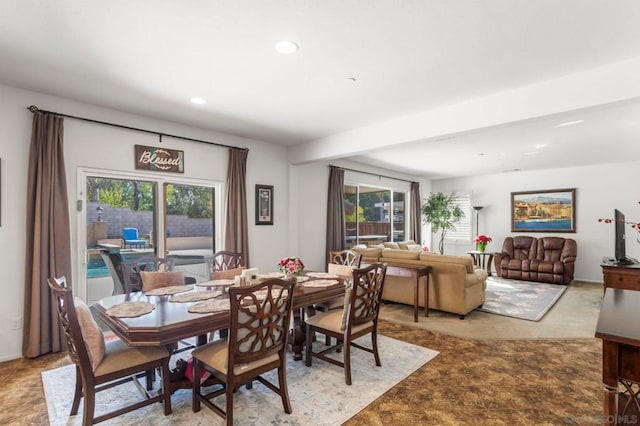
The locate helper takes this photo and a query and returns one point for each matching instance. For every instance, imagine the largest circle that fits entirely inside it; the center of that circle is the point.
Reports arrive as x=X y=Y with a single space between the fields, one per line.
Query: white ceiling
x=151 y=57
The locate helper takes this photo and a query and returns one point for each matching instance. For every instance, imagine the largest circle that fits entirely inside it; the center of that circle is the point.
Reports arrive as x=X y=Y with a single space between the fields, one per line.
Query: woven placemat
x=195 y=296
x=216 y=283
x=165 y=291
x=321 y=275
x=320 y=283
x=210 y=306
x=130 y=309
x=302 y=279
x=271 y=275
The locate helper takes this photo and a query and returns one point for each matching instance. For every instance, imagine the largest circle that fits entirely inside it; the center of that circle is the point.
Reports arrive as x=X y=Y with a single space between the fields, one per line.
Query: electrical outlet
x=16 y=323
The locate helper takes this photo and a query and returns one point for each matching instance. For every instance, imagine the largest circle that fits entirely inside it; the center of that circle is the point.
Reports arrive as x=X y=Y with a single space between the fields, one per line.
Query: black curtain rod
x=373 y=174
x=34 y=108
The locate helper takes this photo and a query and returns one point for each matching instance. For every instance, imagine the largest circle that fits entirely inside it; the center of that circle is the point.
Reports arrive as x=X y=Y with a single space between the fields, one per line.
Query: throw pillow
x=391 y=245
x=414 y=247
x=228 y=274
x=404 y=245
x=91 y=333
x=155 y=279
x=378 y=246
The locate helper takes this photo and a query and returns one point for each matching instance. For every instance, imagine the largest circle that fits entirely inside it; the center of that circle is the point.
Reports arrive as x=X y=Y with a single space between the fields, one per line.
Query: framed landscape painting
x=551 y=210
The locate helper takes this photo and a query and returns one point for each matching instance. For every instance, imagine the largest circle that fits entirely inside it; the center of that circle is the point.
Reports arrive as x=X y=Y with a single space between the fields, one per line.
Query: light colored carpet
x=574 y=316
x=318 y=393
x=520 y=299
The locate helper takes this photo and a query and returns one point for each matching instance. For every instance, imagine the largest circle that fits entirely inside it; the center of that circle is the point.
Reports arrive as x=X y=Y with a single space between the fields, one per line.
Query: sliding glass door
x=373 y=215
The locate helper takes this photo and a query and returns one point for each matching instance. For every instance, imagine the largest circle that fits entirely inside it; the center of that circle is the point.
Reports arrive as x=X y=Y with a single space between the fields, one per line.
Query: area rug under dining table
x=319 y=395
x=520 y=299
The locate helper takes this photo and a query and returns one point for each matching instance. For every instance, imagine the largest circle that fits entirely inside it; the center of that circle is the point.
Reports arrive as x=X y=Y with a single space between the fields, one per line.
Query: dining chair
x=341 y=263
x=131 y=270
x=256 y=343
x=358 y=318
x=224 y=264
x=101 y=365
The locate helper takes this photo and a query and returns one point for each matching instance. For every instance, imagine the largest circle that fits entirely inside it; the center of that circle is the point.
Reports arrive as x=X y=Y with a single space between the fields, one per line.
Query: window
x=463 y=228
x=373 y=215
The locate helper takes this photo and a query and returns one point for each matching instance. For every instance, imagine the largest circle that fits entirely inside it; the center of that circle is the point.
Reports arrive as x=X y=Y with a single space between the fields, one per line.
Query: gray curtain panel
x=336 y=228
x=415 y=226
x=48 y=235
x=236 y=236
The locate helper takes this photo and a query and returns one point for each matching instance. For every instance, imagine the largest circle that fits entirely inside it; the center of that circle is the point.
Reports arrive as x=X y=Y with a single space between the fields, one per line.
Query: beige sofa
x=455 y=285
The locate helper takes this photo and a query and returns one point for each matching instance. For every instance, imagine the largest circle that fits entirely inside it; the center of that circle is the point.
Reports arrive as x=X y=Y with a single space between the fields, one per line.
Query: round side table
x=482 y=259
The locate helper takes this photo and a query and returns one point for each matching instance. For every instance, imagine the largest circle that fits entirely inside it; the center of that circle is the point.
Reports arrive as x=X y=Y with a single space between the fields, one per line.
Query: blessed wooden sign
x=159 y=159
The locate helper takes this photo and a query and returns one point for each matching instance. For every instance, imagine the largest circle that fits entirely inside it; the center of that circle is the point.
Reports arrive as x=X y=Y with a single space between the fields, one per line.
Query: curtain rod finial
x=33 y=108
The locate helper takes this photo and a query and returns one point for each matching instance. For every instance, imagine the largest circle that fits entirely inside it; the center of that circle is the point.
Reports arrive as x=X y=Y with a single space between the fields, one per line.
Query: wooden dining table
x=171 y=322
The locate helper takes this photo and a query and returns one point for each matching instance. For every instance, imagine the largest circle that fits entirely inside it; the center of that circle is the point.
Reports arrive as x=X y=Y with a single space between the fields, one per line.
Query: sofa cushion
x=467 y=261
x=414 y=247
x=400 y=254
x=404 y=245
x=369 y=252
x=391 y=245
x=377 y=246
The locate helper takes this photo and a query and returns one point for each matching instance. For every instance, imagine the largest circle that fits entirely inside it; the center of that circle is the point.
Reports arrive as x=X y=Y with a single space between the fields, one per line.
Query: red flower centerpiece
x=290 y=266
x=481 y=242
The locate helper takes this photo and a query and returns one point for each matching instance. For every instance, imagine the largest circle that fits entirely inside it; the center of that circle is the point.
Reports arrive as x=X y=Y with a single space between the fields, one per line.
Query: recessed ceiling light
x=198 y=101
x=286 y=47
x=568 y=123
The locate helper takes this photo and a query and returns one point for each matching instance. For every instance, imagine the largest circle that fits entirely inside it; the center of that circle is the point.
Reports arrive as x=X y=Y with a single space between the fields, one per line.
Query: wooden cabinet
x=618 y=328
x=623 y=277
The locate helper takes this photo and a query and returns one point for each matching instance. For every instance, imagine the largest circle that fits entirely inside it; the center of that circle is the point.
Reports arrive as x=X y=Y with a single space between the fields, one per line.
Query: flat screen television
x=621 y=242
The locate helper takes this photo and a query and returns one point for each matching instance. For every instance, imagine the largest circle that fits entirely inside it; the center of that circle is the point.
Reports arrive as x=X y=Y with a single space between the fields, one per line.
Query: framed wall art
x=550 y=210
x=264 y=205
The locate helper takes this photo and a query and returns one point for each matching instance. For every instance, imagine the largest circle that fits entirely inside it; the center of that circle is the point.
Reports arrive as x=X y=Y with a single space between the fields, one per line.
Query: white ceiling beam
x=599 y=86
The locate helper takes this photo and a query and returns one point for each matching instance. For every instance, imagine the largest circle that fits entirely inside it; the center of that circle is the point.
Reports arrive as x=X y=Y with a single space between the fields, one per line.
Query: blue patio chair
x=130 y=238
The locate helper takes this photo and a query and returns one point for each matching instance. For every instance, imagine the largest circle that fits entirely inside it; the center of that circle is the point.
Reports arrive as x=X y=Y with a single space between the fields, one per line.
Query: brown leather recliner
x=548 y=259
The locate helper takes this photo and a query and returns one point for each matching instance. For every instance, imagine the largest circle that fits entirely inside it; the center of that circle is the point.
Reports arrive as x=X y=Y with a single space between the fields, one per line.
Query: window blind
x=463 y=228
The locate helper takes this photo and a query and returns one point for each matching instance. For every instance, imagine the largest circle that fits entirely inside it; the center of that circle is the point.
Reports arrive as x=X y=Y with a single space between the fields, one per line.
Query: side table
x=480 y=259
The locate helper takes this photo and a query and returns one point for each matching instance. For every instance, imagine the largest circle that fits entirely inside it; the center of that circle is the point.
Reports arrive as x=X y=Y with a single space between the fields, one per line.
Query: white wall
x=95 y=146
x=599 y=190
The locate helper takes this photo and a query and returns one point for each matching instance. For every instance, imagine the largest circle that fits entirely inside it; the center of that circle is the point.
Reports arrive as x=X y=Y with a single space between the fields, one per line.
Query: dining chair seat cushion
x=157 y=279
x=227 y=274
x=119 y=356
x=215 y=355
x=332 y=321
x=91 y=333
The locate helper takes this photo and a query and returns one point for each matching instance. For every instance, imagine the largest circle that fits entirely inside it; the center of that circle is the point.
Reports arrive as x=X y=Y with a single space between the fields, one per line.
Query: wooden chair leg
x=346 y=348
x=374 y=344
x=78 y=393
x=307 y=349
x=229 y=413
x=195 y=393
x=89 y=407
x=284 y=393
x=166 y=387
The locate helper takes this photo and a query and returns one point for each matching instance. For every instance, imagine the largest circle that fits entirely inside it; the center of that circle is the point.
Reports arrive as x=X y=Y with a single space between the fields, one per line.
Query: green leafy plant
x=442 y=212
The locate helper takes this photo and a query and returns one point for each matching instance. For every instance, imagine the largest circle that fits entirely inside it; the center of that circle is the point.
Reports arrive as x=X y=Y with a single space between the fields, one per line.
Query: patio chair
x=113 y=260
x=101 y=365
x=130 y=238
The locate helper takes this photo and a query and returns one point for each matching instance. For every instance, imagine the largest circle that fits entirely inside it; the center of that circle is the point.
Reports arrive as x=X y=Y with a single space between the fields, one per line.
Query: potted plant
x=442 y=212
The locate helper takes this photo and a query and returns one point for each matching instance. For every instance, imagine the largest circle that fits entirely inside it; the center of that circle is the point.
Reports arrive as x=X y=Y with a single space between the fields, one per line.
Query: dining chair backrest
x=77 y=348
x=131 y=270
x=260 y=317
x=346 y=257
x=365 y=294
x=223 y=261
